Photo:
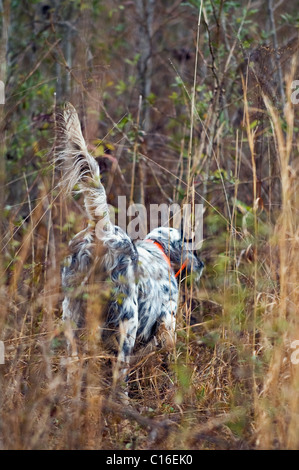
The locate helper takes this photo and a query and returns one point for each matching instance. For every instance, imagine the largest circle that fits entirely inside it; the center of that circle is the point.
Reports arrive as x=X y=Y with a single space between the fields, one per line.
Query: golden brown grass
x=229 y=383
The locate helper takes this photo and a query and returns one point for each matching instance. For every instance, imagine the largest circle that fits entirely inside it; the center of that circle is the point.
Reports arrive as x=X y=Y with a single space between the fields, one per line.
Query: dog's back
x=137 y=283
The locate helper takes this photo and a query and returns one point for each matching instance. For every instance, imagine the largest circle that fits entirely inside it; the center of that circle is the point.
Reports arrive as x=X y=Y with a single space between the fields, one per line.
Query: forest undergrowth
x=179 y=102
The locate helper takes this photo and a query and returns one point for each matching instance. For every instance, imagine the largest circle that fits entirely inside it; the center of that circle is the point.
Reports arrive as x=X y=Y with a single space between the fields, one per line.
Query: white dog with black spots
x=143 y=277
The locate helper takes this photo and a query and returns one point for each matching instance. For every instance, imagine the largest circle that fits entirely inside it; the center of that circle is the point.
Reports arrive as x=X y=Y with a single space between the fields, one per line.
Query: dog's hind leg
x=127 y=337
x=168 y=323
x=71 y=362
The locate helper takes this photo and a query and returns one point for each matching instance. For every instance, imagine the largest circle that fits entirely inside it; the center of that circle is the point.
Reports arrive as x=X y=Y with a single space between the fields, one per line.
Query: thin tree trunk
x=4 y=9
x=145 y=10
x=275 y=44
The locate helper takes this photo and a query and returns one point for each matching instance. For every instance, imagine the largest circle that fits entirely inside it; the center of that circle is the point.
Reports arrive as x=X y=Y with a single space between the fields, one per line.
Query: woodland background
x=178 y=101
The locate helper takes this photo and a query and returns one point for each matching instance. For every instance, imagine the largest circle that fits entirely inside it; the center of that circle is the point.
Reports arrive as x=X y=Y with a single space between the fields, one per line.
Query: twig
x=275 y=43
x=135 y=152
x=156 y=427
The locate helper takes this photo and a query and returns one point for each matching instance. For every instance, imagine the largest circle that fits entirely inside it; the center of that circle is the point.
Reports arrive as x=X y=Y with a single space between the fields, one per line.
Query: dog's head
x=178 y=249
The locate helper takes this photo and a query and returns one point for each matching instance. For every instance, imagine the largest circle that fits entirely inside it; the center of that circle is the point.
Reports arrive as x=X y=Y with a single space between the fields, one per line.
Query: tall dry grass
x=230 y=382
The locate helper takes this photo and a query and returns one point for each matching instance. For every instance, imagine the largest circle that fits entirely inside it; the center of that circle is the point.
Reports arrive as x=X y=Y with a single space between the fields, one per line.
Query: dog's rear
x=101 y=251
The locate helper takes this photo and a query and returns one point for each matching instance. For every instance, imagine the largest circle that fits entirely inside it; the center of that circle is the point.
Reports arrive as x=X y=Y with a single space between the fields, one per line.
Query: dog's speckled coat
x=144 y=289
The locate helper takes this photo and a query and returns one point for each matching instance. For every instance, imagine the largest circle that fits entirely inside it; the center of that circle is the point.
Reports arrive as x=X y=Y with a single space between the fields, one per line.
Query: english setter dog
x=142 y=278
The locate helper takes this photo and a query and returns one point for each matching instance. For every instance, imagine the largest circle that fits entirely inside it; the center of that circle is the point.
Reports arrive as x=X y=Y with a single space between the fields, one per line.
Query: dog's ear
x=72 y=127
x=186 y=234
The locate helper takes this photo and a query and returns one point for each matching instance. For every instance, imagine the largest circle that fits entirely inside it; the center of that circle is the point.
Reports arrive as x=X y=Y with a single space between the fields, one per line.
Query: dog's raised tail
x=79 y=168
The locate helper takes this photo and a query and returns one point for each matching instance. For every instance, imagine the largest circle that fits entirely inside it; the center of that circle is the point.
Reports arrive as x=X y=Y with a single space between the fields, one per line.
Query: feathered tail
x=79 y=167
